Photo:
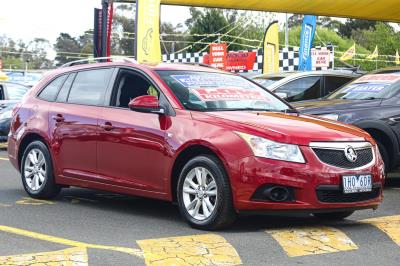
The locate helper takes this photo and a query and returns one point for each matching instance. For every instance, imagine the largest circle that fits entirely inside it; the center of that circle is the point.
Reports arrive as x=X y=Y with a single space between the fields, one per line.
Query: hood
x=286 y=128
x=323 y=106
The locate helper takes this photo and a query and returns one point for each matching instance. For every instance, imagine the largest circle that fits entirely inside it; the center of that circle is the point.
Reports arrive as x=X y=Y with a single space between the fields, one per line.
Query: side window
x=49 y=93
x=1 y=93
x=301 y=89
x=63 y=94
x=130 y=85
x=89 y=86
x=333 y=83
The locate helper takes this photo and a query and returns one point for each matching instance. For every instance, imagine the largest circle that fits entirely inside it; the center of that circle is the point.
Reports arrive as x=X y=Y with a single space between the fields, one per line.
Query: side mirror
x=282 y=95
x=146 y=104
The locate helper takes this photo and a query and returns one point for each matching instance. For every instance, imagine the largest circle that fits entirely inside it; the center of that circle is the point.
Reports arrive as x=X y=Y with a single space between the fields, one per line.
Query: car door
x=73 y=120
x=300 y=89
x=132 y=149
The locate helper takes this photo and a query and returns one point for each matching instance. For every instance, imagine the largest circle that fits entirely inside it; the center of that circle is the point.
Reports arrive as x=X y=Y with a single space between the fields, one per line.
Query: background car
x=307 y=85
x=10 y=94
x=372 y=103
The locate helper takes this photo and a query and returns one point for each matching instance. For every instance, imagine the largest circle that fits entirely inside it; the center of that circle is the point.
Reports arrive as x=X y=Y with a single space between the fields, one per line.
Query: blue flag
x=306 y=41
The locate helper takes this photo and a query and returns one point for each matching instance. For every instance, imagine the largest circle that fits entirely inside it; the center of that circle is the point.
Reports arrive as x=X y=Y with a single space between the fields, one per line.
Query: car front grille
x=337 y=153
x=337 y=158
x=334 y=194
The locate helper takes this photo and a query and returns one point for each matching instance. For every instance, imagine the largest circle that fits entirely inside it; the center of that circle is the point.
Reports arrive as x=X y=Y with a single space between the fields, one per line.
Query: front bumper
x=305 y=180
x=4 y=129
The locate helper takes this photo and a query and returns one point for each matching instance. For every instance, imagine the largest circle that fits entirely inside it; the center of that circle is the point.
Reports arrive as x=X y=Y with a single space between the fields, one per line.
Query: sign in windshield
x=369 y=87
x=205 y=91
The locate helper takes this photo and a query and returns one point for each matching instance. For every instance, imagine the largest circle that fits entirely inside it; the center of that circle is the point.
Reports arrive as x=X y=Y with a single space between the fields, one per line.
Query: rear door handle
x=107 y=126
x=58 y=118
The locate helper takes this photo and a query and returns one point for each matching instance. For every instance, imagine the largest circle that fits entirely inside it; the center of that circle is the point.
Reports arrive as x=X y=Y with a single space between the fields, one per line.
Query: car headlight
x=6 y=115
x=330 y=116
x=262 y=147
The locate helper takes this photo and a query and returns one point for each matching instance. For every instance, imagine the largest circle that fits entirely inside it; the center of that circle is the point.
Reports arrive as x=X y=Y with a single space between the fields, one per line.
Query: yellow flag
x=374 y=54
x=349 y=54
x=397 y=61
x=271 y=48
x=148 y=48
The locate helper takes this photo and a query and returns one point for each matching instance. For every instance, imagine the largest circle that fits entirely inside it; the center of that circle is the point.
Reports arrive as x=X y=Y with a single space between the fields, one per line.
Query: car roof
x=295 y=74
x=153 y=67
x=387 y=70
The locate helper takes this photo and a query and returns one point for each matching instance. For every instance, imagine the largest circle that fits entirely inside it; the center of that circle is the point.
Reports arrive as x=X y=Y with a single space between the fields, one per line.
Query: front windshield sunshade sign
x=227 y=94
x=385 y=78
x=366 y=87
x=214 y=81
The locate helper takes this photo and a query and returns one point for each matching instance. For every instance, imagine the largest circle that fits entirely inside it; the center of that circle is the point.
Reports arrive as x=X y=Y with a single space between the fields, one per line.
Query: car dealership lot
x=98 y=228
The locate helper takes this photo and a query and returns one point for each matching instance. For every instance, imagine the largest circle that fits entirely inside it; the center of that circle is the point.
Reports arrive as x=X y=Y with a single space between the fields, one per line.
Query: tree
x=67 y=48
x=351 y=25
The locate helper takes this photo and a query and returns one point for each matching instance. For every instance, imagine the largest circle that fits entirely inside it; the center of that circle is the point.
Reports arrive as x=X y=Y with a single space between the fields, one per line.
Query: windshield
x=206 y=91
x=16 y=92
x=267 y=82
x=369 y=87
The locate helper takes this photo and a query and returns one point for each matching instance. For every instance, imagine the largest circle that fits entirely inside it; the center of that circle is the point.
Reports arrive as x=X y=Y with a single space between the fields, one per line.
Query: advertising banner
x=306 y=41
x=147 y=46
x=237 y=61
x=271 y=48
x=218 y=55
x=320 y=58
x=397 y=59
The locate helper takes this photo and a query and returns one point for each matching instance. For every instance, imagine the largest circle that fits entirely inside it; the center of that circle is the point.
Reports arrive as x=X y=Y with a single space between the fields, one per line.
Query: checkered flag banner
x=288 y=58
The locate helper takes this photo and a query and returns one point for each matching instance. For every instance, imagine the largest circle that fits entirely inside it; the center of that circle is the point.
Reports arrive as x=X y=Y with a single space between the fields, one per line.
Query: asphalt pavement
x=86 y=227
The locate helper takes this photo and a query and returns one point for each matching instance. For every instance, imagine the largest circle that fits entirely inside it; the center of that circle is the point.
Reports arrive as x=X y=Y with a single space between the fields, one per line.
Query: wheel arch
x=384 y=134
x=25 y=141
x=187 y=153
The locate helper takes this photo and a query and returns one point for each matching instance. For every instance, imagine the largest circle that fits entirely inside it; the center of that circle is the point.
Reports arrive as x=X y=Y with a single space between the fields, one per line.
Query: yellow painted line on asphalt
x=63 y=241
x=207 y=249
x=3 y=145
x=3 y=159
x=388 y=224
x=35 y=202
x=70 y=257
x=5 y=205
x=304 y=241
x=78 y=199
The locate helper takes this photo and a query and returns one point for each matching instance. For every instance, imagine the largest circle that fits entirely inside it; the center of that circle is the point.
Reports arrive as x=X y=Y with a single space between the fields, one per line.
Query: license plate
x=357 y=183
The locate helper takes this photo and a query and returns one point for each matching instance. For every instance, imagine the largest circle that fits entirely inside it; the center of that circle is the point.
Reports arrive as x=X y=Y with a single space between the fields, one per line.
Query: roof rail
x=100 y=59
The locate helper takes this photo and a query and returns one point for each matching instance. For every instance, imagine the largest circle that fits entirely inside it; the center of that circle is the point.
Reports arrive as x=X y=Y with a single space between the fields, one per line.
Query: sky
x=28 y=19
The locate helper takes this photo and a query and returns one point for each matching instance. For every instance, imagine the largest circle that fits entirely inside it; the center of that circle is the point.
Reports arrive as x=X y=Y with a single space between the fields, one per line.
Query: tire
x=384 y=155
x=37 y=172
x=221 y=213
x=333 y=215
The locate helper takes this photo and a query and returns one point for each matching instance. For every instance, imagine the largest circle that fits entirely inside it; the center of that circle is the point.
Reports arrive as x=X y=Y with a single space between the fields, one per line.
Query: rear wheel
x=37 y=172
x=333 y=215
x=204 y=194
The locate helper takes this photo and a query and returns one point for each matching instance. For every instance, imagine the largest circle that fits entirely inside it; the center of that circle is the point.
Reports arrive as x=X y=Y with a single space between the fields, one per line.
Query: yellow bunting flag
x=349 y=54
x=375 y=54
x=397 y=61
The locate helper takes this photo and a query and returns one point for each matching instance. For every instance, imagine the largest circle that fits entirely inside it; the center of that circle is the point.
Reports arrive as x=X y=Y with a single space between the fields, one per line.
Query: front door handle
x=107 y=126
x=58 y=118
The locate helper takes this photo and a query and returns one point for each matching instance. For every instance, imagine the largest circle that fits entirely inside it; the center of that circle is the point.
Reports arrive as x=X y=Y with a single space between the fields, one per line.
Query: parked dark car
x=372 y=103
x=10 y=94
x=309 y=85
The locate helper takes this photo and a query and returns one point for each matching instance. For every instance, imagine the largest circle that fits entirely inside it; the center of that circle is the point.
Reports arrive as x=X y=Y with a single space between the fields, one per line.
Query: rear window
x=90 y=87
x=49 y=93
x=369 y=87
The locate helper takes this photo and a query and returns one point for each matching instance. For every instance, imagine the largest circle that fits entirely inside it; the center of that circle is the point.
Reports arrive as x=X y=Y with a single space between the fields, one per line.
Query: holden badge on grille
x=350 y=153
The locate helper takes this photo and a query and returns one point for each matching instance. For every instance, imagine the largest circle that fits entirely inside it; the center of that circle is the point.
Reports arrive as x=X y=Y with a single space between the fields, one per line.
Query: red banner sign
x=218 y=54
x=236 y=61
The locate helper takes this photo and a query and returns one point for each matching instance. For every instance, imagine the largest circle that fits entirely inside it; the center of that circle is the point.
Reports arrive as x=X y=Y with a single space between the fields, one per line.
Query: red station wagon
x=216 y=143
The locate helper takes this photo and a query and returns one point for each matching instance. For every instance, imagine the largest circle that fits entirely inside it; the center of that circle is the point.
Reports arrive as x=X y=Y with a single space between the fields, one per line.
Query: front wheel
x=204 y=194
x=37 y=172
x=333 y=215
